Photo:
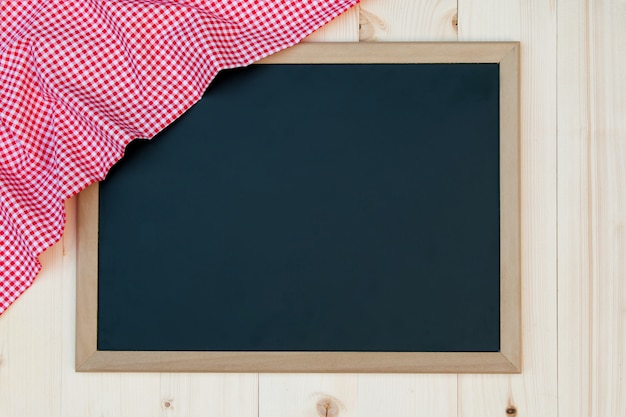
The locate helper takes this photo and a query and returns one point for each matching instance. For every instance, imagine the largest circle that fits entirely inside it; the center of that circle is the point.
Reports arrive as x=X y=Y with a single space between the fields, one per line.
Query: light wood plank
x=306 y=395
x=592 y=209
x=533 y=392
x=343 y=29
x=407 y=20
x=409 y=395
x=489 y=20
x=574 y=211
x=232 y=395
x=607 y=105
x=351 y=396
x=30 y=344
x=110 y=395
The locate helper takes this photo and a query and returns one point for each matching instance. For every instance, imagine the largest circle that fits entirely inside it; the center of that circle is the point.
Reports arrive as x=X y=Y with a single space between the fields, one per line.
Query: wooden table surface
x=573 y=252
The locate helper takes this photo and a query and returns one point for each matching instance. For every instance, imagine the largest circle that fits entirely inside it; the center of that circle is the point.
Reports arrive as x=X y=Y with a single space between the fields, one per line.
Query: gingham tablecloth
x=80 y=79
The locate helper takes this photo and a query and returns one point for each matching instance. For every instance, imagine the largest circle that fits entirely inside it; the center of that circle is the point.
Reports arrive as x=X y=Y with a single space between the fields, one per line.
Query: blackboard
x=325 y=208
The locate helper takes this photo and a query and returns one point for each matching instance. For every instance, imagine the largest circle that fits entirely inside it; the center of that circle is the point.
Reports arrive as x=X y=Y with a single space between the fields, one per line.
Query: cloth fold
x=79 y=80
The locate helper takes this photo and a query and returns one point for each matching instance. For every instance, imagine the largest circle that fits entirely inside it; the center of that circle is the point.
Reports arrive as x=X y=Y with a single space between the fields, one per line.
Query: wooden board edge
x=89 y=359
x=299 y=362
x=87 y=275
x=510 y=207
x=392 y=53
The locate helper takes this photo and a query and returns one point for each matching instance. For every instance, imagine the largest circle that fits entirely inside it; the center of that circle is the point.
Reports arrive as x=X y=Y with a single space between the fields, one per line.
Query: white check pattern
x=80 y=79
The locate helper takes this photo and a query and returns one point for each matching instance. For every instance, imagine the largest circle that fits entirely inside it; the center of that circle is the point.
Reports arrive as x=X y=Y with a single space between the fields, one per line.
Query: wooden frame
x=508 y=360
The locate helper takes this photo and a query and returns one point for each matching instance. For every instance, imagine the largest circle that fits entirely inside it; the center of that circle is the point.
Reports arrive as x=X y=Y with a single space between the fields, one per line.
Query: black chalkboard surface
x=350 y=207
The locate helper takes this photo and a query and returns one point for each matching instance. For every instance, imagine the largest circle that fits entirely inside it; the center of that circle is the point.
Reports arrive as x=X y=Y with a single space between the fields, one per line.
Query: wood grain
x=393 y=53
x=289 y=362
x=510 y=209
x=343 y=29
x=534 y=392
x=31 y=342
x=592 y=209
x=39 y=328
x=608 y=210
x=222 y=395
x=87 y=271
x=404 y=20
x=358 y=396
x=574 y=211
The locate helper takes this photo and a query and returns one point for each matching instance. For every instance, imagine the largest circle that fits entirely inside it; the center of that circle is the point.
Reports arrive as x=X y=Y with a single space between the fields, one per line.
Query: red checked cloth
x=80 y=79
